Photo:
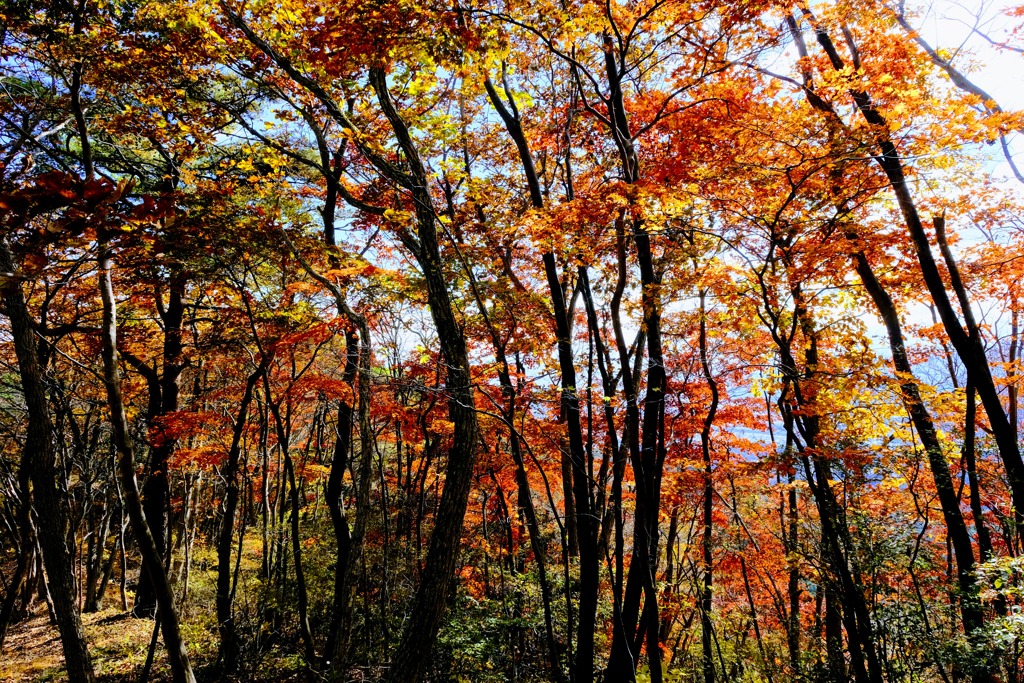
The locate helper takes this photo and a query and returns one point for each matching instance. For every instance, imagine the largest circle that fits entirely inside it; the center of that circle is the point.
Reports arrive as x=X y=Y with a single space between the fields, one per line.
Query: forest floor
x=118 y=643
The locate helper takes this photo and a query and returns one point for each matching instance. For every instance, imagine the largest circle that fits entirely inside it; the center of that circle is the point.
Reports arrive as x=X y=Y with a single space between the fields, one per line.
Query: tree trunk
x=792 y=560
x=26 y=551
x=647 y=456
x=968 y=344
x=229 y=644
x=94 y=561
x=48 y=490
x=970 y=457
x=836 y=539
x=709 y=492
x=970 y=607
x=337 y=641
x=156 y=491
x=151 y=557
x=413 y=654
x=581 y=522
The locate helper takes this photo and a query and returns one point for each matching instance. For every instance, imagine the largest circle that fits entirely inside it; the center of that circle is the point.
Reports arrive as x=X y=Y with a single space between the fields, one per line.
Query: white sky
x=948 y=25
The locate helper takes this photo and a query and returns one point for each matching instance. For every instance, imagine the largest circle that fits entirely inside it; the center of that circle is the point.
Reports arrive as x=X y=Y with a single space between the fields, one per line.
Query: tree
x=511 y=341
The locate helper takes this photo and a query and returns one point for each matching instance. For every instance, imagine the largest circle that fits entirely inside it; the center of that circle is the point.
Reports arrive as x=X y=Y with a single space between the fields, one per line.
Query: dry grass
x=118 y=644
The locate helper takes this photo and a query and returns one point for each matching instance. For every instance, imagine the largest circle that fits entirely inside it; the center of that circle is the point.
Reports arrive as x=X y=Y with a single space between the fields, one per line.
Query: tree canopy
x=647 y=340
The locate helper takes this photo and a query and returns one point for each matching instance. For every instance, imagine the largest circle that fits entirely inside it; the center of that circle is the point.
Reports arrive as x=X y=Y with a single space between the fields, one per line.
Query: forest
x=645 y=341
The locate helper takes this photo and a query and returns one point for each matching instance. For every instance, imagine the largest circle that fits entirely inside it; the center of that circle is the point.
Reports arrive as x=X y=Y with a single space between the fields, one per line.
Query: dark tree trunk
x=627 y=588
x=95 y=567
x=836 y=539
x=837 y=542
x=108 y=572
x=971 y=457
x=151 y=557
x=48 y=488
x=283 y=427
x=835 y=662
x=755 y=622
x=357 y=374
x=648 y=459
x=581 y=522
x=337 y=640
x=229 y=643
x=525 y=495
x=164 y=399
x=792 y=547
x=26 y=551
x=970 y=607
x=708 y=506
x=586 y=522
x=413 y=654
x=968 y=343
x=300 y=573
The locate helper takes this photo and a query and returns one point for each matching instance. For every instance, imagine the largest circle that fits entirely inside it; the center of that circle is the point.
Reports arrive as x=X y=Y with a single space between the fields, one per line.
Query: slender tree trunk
x=152 y=559
x=648 y=458
x=420 y=631
x=266 y=564
x=967 y=343
x=792 y=547
x=156 y=491
x=229 y=643
x=357 y=374
x=364 y=473
x=26 y=550
x=835 y=662
x=627 y=587
x=294 y=504
x=525 y=497
x=576 y=477
x=970 y=457
x=970 y=607
x=336 y=640
x=48 y=494
x=300 y=573
x=94 y=562
x=851 y=609
x=668 y=620
x=108 y=572
x=709 y=492
x=836 y=538
x=586 y=523
x=754 y=621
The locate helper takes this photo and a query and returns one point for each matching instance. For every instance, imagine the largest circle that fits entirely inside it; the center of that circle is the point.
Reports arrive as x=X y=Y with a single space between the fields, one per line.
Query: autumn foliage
x=530 y=341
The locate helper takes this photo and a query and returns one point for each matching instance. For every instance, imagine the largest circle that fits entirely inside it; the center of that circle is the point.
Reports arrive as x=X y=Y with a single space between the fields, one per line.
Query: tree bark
x=152 y=559
x=229 y=643
x=968 y=343
x=48 y=494
x=649 y=457
x=26 y=550
x=790 y=538
x=156 y=491
x=708 y=504
x=579 y=516
x=356 y=370
x=970 y=607
x=420 y=632
x=970 y=457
